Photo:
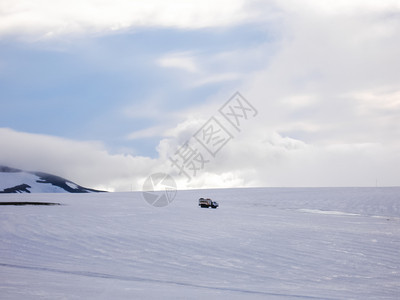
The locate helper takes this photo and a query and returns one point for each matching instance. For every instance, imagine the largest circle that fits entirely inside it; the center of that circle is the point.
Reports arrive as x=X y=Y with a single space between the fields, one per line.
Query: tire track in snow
x=150 y=280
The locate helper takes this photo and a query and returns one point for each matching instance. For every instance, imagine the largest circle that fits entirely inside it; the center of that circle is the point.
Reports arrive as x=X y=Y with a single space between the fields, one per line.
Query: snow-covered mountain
x=19 y=181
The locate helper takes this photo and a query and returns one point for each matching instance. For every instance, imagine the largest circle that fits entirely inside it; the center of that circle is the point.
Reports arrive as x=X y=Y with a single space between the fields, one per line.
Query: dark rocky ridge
x=44 y=178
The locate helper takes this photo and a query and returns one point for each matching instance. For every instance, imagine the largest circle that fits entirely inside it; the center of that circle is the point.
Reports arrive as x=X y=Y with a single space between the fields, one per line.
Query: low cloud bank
x=256 y=160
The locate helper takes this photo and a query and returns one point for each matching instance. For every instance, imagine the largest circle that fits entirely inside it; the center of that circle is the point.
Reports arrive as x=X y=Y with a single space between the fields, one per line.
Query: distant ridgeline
x=19 y=181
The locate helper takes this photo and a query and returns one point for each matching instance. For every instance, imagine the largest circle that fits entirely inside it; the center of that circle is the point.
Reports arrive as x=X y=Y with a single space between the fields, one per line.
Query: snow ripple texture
x=267 y=243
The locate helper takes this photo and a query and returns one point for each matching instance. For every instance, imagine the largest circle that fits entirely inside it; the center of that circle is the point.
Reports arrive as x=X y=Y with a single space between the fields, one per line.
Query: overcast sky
x=106 y=93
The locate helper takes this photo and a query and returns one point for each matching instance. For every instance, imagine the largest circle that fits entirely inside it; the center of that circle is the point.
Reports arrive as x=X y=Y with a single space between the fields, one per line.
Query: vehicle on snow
x=207 y=202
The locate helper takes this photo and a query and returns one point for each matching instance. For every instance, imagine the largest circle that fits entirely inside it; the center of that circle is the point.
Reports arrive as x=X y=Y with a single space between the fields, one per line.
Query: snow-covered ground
x=276 y=243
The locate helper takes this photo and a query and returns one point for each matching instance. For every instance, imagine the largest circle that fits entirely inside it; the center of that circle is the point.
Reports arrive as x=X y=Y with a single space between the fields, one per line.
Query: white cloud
x=157 y=131
x=87 y=163
x=183 y=60
x=327 y=101
x=328 y=97
x=385 y=100
x=266 y=158
x=201 y=69
x=328 y=57
x=49 y=18
x=339 y=6
x=219 y=78
x=199 y=76
x=299 y=101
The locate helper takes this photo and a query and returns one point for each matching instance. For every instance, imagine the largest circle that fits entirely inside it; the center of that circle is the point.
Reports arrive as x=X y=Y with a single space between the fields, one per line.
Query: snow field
x=333 y=243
